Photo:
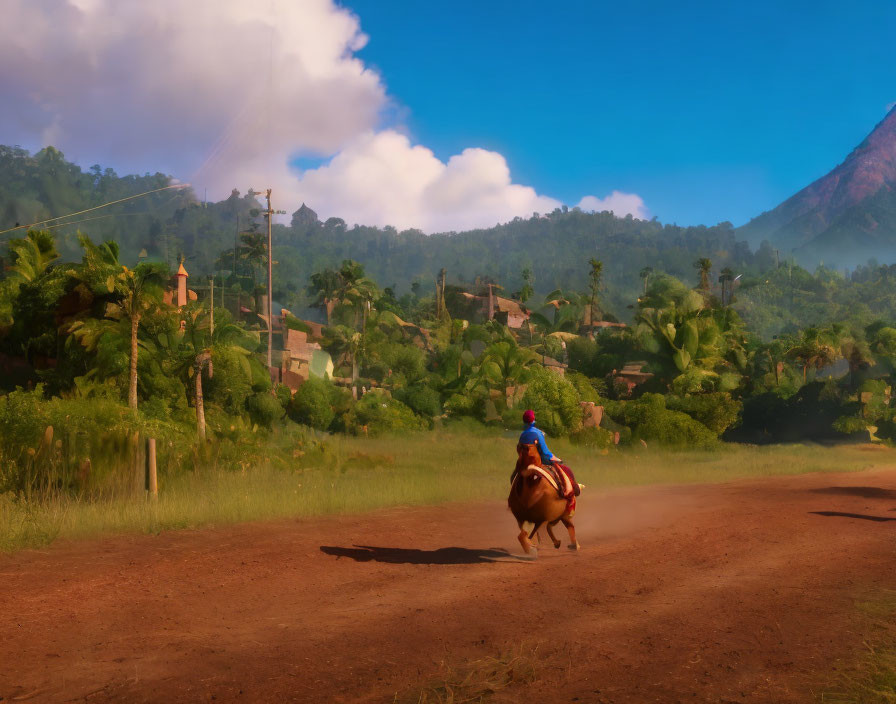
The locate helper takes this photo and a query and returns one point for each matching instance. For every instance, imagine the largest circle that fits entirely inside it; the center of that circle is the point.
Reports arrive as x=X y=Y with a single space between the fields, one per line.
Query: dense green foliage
x=86 y=330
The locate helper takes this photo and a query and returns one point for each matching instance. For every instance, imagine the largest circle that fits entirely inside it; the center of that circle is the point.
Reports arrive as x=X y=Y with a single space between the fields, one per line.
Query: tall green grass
x=347 y=475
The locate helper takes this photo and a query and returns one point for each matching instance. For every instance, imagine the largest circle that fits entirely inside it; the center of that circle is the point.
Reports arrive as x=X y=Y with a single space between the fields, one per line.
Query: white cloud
x=381 y=179
x=224 y=93
x=221 y=92
x=618 y=203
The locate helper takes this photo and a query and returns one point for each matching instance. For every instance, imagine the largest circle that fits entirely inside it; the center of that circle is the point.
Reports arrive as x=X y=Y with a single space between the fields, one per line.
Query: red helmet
x=529 y=416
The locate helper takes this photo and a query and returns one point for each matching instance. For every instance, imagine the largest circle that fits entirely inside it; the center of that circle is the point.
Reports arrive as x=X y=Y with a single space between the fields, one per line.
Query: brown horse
x=532 y=499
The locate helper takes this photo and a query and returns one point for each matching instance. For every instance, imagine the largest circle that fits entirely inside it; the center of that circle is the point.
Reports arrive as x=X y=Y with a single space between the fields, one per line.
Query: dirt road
x=741 y=592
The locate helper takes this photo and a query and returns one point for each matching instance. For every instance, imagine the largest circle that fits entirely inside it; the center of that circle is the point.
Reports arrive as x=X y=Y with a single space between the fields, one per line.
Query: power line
x=96 y=207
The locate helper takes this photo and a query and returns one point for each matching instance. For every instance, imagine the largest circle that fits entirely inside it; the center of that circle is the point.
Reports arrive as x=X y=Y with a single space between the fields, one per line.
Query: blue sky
x=710 y=111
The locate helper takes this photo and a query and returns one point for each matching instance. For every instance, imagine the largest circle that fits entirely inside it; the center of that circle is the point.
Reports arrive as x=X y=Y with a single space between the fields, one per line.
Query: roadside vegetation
x=349 y=475
x=421 y=397
x=872 y=678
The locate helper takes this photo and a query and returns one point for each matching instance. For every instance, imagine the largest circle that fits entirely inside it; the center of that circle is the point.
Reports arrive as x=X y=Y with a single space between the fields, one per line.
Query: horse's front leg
x=554 y=539
x=573 y=543
x=523 y=537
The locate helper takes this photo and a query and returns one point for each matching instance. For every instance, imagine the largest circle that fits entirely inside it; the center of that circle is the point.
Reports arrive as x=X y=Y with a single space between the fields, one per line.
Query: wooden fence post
x=152 y=483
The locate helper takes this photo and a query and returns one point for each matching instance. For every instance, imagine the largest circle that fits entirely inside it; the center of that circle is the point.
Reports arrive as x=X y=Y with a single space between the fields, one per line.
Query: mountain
x=846 y=216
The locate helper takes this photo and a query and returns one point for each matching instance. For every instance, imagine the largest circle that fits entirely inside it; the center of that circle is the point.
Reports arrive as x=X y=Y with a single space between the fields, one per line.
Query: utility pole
x=236 y=244
x=211 y=296
x=269 y=214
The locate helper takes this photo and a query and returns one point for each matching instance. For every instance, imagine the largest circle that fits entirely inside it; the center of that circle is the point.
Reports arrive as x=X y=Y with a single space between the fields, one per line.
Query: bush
x=555 y=402
x=381 y=414
x=588 y=389
x=466 y=404
x=651 y=421
x=849 y=425
x=264 y=409
x=312 y=404
x=423 y=399
x=595 y=438
x=43 y=443
x=717 y=411
x=229 y=387
x=283 y=394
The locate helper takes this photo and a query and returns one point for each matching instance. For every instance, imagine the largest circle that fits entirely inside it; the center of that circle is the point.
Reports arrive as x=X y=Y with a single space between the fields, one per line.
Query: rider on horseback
x=534 y=436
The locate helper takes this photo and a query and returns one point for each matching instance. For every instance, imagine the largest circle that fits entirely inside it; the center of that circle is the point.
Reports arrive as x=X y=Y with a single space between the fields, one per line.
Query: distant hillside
x=554 y=246
x=847 y=215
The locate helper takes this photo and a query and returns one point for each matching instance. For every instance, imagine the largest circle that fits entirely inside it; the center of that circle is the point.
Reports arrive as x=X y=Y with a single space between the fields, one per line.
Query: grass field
x=359 y=474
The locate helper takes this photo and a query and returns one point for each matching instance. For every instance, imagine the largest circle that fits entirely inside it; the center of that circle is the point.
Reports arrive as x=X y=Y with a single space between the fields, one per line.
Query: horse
x=532 y=499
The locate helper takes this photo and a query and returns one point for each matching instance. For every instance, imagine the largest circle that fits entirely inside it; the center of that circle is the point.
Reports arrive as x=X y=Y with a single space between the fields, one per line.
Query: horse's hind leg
x=554 y=539
x=573 y=543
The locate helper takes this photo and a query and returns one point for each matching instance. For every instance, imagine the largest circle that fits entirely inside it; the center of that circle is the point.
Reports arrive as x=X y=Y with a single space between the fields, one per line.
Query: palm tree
x=129 y=292
x=645 y=274
x=594 y=276
x=197 y=345
x=726 y=278
x=346 y=343
x=326 y=285
x=32 y=255
x=815 y=349
x=527 y=291
x=253 y=251
x=136 y=291
x=704 y=266
x=503 y=364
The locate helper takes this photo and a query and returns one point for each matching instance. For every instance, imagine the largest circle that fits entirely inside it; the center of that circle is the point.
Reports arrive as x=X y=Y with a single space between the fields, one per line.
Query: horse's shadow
x=410 y=556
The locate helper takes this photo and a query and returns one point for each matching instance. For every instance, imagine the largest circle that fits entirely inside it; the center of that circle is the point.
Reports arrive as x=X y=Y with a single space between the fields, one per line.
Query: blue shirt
x=532 y=435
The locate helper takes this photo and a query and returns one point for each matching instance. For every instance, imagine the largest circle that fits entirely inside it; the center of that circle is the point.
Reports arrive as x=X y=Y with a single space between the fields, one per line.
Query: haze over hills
x=844 y=218
x=848 y=215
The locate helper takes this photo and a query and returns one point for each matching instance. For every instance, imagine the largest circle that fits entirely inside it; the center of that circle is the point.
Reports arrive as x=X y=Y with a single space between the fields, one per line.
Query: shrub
x=423 y=399
x=313 y=404
x=588 y=389
x=466 y=404
x=717 y=410
x=849 y=425
x=555 y=402
x=381 y=414
x=264 y=409
x=283 y=394
x=229 y=386
x=596 y=438
x=651 y=421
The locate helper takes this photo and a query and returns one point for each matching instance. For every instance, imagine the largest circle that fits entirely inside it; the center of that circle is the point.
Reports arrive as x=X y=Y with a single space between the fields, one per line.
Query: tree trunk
x=356 y=373
x=132 y=375
x=200 y=405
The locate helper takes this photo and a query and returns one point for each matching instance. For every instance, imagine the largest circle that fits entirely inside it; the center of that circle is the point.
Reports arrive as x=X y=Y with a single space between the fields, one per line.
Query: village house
x=302 y=356
x=505 y=310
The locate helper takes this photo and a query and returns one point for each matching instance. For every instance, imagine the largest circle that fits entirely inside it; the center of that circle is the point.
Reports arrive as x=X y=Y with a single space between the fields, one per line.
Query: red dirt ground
x=718 y=593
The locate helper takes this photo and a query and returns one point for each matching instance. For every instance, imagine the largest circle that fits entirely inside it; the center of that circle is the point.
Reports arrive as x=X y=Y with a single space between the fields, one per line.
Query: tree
x=128 y=293
x=594 y=276
x=816 y=349
x=704 y=266
x=253 y=251
x=136 y=290
x=645 y=274
x=345 y=343
x=326 y=286
x=527 y=290
x=196 y=347
x=32 y=255
x=726 y=279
